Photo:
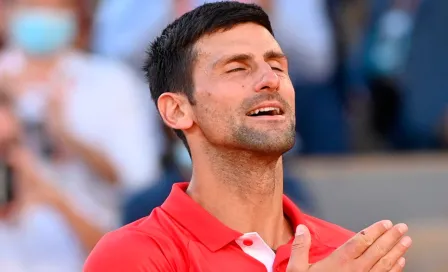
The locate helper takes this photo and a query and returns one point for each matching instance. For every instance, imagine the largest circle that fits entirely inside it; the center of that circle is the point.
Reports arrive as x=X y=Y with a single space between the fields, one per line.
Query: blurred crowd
x=82 y=148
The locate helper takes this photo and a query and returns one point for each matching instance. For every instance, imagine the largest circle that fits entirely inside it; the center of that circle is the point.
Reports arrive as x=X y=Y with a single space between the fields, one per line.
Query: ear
x=175 y=111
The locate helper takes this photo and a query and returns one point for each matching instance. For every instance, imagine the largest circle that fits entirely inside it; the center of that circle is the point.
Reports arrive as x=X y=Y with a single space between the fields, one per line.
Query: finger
x=383 y=245
x=299 y=260
x=356 y=246
x=9 y=83
x=394 y=256
x=399 y=266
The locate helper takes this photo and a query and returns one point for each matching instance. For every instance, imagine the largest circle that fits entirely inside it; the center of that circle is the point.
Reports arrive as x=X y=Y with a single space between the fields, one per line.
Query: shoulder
x=135 y=247
x=327 y=232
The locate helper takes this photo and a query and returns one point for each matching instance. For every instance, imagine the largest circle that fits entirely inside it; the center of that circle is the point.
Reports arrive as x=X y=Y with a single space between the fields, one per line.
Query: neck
x=40 y=68
x=244 y=191
x=42 y=63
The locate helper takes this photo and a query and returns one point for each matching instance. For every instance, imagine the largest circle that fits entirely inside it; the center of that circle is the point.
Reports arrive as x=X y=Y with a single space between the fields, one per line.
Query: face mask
x=42 y=32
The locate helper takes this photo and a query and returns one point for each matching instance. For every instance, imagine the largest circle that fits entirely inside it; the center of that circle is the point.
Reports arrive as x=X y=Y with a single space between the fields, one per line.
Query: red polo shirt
x=181 y=236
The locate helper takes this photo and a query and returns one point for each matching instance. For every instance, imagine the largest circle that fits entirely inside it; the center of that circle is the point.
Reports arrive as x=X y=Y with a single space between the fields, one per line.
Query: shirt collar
x=193 y=217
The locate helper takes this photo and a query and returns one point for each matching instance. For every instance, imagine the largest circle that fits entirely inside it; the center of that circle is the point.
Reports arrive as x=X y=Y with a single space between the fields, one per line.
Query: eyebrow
x=269 y=55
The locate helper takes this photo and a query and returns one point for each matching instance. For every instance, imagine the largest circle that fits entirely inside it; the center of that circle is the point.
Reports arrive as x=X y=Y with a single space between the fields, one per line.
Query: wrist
x=64 y=137
x=57 y=201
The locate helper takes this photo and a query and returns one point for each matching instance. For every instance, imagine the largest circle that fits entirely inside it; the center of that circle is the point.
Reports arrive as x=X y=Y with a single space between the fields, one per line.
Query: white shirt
x=107 y=108
x=253 y=245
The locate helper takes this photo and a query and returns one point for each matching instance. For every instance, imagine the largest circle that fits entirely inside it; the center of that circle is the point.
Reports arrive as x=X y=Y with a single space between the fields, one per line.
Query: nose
x=269 y=80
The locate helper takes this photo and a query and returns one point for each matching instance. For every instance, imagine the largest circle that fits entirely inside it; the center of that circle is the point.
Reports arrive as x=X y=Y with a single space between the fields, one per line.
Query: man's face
x=239 y=72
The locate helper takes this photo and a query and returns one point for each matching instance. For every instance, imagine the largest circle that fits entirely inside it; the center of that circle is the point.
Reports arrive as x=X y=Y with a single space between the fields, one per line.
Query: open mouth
x=266 y=111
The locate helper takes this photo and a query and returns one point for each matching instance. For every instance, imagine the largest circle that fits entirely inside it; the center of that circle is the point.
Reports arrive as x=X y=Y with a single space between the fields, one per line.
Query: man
x=221 y=81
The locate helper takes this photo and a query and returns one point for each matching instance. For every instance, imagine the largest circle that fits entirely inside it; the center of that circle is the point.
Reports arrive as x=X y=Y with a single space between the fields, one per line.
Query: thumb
x=299 y=260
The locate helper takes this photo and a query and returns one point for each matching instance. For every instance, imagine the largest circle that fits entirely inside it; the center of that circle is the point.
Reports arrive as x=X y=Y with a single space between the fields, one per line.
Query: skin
x=378 y=248
x=2 y=23
x=62 y=5
x=237 y=159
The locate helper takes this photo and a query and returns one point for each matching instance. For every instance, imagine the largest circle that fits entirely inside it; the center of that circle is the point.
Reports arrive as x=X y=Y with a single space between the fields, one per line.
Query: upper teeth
x=267 y=109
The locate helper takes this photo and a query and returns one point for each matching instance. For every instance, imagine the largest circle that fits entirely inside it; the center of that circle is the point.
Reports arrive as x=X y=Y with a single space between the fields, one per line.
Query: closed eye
x=277 y=69
x=236 y=70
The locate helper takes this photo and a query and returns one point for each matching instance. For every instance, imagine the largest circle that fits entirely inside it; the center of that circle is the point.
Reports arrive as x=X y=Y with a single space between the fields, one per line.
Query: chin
x=276 y=149
x=270 y=142
x=270 y=146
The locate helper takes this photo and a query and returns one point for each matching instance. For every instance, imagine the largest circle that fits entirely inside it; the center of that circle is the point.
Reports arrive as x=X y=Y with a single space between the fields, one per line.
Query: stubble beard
x=268 y=142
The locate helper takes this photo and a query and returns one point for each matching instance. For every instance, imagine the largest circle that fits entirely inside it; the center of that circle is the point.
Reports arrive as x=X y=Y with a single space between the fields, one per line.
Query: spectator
x=2 y=24
x=423 y=121
x=389 y=42
x=84 y=133
x=136 y=21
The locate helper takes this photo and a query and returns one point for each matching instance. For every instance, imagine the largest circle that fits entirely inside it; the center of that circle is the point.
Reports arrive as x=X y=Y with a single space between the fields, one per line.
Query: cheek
x=214 y=116
x=288 y=93
x=219 y=100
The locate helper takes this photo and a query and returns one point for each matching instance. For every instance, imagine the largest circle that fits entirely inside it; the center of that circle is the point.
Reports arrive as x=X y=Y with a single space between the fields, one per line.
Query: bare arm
x=87 y=233
x=94 y=159
x=33 y=187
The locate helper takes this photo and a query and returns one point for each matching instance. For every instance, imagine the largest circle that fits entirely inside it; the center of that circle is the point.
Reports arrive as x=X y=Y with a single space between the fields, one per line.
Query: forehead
x=244 y=38
x=47 y=3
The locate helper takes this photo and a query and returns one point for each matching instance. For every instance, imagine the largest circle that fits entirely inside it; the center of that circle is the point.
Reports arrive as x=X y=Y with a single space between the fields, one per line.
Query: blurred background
x=83 y=151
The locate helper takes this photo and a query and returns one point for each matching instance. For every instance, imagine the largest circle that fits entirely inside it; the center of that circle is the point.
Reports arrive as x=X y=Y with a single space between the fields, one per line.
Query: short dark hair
x=171 y=56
